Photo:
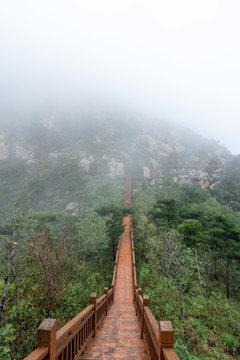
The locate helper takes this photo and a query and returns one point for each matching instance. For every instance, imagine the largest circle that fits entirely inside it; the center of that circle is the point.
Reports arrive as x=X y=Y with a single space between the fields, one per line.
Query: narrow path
x=118 y=336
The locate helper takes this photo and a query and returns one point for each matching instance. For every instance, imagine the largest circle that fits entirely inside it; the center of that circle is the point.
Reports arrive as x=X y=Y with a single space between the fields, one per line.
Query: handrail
x=38 y=354
x=169 y=354
x=128 y=192
x=69 y=330
x=158 y=337
x=70 y=341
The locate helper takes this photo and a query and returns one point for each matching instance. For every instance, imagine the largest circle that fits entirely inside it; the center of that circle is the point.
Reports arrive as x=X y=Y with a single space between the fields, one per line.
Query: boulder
x=86 y=162
x=116 y=168
x=4 y=148
x=72 y=208
x=215 y=185
x=23 y=152
x=146 y=172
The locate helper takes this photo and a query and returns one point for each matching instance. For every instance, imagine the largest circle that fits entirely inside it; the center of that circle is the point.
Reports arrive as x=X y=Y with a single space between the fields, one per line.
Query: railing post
x=46 y=337
x=116 y=263
x=166 y=336
x=136 y=304
x=106 y=293
x=93 y=300
x=145 y=303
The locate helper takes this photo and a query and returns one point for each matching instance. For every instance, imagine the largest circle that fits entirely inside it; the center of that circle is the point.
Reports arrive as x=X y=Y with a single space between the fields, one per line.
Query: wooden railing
x=70 y=341
x=158 y=336
x=128 y=192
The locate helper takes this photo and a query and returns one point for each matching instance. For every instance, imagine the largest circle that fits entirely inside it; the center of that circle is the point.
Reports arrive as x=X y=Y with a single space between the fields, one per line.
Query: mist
x=172 y=61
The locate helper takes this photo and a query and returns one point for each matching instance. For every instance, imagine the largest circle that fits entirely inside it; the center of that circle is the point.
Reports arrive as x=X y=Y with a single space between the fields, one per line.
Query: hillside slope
x=43 y=163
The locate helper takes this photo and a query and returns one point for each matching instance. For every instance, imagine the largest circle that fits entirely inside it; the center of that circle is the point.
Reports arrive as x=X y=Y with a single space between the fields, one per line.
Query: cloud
x=177 y=59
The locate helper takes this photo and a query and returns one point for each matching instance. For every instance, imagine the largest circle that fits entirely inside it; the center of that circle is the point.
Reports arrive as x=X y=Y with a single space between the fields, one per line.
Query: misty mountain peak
x=117 y=146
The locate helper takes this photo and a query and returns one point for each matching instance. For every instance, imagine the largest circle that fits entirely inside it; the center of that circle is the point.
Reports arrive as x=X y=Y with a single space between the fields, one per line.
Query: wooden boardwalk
x=119 y=336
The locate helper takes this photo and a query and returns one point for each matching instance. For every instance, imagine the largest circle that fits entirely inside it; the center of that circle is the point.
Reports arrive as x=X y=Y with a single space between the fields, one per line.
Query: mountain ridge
x=39 y=158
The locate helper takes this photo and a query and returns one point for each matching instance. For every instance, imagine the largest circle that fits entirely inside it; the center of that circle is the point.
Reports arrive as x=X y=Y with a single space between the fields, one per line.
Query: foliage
x=192 y=231
x=165 y=212
x=170 y=257
x=193 y=254
x=186 y=238
x=7 y=337
x=59 y=260
x=114 y=223
x=92 y=239
x=228 y=191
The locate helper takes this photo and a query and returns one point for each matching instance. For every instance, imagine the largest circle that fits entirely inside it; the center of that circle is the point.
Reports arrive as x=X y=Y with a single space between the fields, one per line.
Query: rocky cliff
x=120 y=147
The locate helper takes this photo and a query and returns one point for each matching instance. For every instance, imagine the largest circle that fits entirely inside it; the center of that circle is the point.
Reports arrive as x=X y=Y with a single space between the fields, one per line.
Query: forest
x=187 y=237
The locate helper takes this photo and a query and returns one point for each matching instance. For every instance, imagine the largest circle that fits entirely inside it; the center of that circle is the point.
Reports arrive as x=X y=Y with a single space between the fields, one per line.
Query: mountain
x=62 y=182
x=51 y=159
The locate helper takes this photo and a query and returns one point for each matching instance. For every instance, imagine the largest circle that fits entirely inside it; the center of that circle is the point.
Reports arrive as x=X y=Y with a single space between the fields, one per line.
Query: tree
x=173 y=260
x=53 y=266
x=228 y=190
x=91 y=237
x=225 y=237
x=193 y=236
x=114 y=223
x=11 y=233
x=143 y=230
x=192 y=232
x=164 y=212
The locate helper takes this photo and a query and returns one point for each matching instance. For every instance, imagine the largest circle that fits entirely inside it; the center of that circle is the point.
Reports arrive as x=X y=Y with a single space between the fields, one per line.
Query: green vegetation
x=114 y=223
x=187 y=240
x=50 y=262
x=188 y=252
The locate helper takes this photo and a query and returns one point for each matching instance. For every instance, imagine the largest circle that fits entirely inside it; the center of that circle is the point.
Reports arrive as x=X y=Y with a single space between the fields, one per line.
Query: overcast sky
x=178 y=59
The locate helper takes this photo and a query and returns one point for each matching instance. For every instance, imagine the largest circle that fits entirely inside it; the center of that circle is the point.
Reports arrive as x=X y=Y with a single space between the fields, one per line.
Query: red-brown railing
x=70 y=341
x=158 y=336
x=128 y=192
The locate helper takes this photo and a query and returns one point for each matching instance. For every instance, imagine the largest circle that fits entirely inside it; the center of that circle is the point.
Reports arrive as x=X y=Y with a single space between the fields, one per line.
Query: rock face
x=4 y=148
x=18 y=148
x=193 y=177
x=215 y=185
x=53 y=156
x=23 y=152
x=116 y=168
x=72 y=209
x=146 y=172
x=86 y=162
x=115 y=149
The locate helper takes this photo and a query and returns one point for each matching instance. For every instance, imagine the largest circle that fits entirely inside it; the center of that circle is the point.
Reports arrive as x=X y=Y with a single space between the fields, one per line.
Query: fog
x=174 y=60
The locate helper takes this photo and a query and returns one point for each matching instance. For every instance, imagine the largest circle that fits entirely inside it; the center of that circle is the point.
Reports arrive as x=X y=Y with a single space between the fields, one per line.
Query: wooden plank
x=167 y=333
x=38 y=354
x=101 y=300
x=134 y=277
x=70 y=326
x=68 y=331
x=133 y=258
x=152 y=326
x=114 y=276
x=110 y=292
x=110 y=298
x=118 y=338
x=46 y=337
x=86 y=342
x=169 y=354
